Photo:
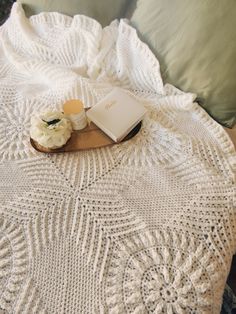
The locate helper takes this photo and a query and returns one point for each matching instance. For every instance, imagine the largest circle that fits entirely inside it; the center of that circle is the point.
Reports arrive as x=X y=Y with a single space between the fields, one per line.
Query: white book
x=117 y=114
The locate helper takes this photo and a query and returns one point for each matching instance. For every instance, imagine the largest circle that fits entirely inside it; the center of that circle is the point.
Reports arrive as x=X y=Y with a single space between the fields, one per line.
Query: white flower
x=50 y=129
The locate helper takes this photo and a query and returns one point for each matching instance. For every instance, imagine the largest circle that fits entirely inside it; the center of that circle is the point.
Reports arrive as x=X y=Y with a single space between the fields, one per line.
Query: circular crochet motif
x=158 y=282
x=13 y=265
x=14 y=131
x=155 y=288
x=160 y=278
x=153 y=144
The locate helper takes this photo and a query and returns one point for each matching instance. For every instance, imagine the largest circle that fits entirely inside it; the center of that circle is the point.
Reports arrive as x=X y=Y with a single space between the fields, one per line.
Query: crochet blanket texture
x=145 y=226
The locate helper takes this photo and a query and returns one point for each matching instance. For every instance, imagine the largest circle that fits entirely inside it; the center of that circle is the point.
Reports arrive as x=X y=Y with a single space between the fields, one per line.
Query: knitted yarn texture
x=145 y=226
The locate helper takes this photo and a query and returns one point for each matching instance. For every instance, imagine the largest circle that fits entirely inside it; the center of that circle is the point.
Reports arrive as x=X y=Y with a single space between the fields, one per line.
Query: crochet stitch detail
x=144 y=226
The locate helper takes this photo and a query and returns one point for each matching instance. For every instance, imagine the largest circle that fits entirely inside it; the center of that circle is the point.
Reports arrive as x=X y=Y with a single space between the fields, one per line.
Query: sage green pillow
x=104 y=11
x=195 y=42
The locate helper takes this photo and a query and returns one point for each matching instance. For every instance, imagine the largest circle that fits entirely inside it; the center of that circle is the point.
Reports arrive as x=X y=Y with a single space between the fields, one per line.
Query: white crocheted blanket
x=147 y=226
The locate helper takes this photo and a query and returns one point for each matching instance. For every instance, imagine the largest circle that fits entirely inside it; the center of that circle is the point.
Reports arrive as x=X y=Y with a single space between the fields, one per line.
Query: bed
x=146 y=226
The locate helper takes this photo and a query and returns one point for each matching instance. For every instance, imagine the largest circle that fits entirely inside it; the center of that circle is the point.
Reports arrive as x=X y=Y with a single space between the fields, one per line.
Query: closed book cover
x=117 y=114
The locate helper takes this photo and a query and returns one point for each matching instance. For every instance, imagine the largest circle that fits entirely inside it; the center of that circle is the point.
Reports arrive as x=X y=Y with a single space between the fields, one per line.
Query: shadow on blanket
x=229 y=302
x=5 y=8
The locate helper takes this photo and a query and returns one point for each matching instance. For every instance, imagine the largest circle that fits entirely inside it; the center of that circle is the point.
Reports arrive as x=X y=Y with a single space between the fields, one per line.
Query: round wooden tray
x=88 y=138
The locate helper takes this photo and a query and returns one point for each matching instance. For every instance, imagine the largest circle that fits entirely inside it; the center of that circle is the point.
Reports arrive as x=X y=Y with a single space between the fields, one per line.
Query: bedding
x=195 y=42
x=103 y=11
x=145 y=226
